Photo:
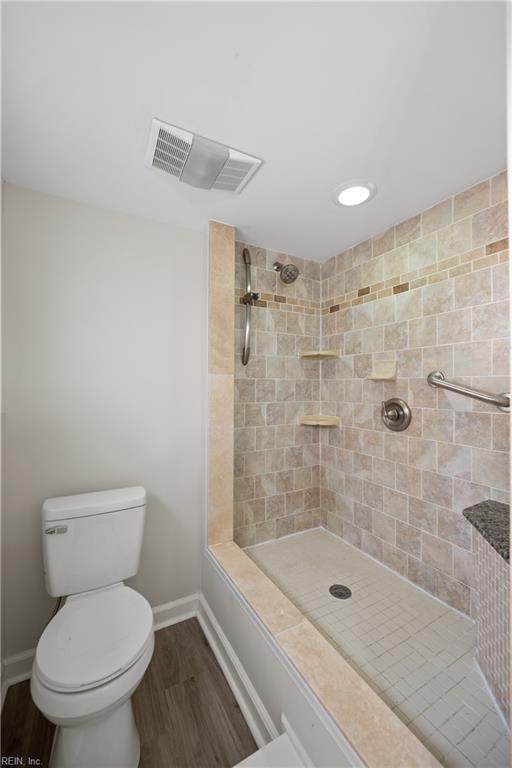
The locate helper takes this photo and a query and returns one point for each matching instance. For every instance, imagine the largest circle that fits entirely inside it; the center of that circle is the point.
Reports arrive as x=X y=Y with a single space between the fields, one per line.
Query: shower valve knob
x=396 y=414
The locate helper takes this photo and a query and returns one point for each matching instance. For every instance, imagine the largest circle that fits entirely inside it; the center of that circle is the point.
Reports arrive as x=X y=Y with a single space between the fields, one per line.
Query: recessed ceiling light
x=354 y=193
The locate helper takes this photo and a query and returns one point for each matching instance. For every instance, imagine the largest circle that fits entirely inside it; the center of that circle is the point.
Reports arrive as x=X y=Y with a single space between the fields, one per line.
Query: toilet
x=94 y=652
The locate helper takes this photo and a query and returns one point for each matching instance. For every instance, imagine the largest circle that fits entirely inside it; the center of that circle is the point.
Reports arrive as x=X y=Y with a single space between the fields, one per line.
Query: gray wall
x=103 y=356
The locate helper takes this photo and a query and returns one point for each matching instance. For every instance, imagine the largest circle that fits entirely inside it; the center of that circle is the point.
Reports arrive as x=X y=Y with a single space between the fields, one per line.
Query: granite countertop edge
x=492 y=520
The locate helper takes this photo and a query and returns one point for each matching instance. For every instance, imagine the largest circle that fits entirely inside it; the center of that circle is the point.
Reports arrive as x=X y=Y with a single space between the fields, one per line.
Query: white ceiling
x=410 y=95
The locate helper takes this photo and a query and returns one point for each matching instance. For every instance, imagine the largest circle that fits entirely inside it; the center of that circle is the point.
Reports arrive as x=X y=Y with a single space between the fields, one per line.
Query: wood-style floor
x=186 y=714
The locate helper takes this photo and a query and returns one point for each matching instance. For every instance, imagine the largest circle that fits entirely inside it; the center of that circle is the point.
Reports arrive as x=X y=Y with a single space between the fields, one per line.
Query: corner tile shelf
x=320 y=354
x=383 y=370
x=317 y=420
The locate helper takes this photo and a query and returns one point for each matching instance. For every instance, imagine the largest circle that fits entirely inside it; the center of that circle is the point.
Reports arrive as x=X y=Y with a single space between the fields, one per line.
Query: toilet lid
x=94 y=638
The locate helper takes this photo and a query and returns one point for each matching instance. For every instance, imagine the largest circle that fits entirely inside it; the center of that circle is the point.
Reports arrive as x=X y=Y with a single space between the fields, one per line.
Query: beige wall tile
x=396 y=447
x=421 y=574
x=384 y=472
x=454 y=326
x=372 y=545
x=395 y=336
x=501 y=357
x=221 y=283
x=408 y=305
x=491 y=321
x=501 y=432
x=395 y=504
x=438 y=358
x=421 y=394
x=408 y=539
x=245 y=537
x=471 y=200
x=408 y=480
x=500 y=282
x=490 y=225
x=422 y=453
x=394 y=558
x=220 y=458
x=265 y=531
x=437 y=298
x=437 y=217
x=373 y=494
x=472 y=289
x=408 y=230
x=362 y=252
x=499 y=188
x=454 y=460
x=454 y=527
x=372 y=271
x=463 y=566
x=454 y=239
x=409 y=363
x=395 y=262
x=422 y=515
x=472 y=358
x=490 y=467
x=437 y=553
x=437 y=489
x=453 y=592
x=423 y=332
x=383 y=526
x=473 y=429
x=423 y=252
x=384 y=242
x=363 y=516
x=437 y=425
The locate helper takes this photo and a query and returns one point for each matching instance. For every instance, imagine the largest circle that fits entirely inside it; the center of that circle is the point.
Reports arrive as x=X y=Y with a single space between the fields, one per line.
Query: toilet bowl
x=89 y=660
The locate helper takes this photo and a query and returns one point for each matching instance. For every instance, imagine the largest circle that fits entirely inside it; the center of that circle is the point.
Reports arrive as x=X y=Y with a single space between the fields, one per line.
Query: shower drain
x=340 y=591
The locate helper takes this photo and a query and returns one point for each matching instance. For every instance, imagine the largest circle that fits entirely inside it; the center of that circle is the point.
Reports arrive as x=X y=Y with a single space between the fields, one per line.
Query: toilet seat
x=93 y=639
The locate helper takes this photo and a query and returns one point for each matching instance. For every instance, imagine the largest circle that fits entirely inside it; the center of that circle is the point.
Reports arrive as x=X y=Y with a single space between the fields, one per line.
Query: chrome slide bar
x=249 y=298
x=437 y=379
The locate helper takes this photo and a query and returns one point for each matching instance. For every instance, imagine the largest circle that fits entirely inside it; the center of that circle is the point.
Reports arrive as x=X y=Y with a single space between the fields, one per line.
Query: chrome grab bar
x=437 y=379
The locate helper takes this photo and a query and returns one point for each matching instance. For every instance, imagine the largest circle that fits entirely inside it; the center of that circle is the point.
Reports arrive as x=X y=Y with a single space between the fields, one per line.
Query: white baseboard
x=256 y=716
x=178 y=610
x=15 y=669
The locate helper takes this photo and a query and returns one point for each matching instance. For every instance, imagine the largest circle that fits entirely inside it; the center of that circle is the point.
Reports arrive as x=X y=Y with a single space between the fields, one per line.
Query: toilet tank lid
x=95 y=503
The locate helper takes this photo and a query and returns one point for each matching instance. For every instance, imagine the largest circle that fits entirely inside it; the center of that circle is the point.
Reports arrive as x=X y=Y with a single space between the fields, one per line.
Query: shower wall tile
x=438 y=301
x=277 y=483
x=430 y=293
x=437 y=217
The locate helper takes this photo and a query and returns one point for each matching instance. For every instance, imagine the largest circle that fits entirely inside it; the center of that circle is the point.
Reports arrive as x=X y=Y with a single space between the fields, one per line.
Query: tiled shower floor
x=415 y=652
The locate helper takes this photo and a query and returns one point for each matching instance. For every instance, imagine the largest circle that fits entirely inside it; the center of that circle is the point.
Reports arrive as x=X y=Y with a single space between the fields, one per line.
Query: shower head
x=287 y=272
x=246 y=256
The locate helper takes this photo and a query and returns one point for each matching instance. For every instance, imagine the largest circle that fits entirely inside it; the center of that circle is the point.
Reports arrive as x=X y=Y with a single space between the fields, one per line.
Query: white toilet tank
x=92 y=540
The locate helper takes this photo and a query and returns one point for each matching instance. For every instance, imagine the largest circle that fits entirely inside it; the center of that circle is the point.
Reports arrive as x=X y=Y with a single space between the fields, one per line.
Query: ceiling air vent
x=198 y=161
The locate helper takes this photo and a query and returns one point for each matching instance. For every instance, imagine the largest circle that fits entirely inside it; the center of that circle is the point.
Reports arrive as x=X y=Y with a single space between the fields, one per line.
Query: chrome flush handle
x=56 y=529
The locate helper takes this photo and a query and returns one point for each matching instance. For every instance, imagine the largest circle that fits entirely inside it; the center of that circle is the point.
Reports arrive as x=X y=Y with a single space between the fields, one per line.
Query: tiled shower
x=430 y=293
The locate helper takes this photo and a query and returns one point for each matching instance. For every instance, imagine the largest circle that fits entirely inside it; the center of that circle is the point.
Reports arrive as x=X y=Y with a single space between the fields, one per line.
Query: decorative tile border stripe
x=288 y=303
x=479 y=258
